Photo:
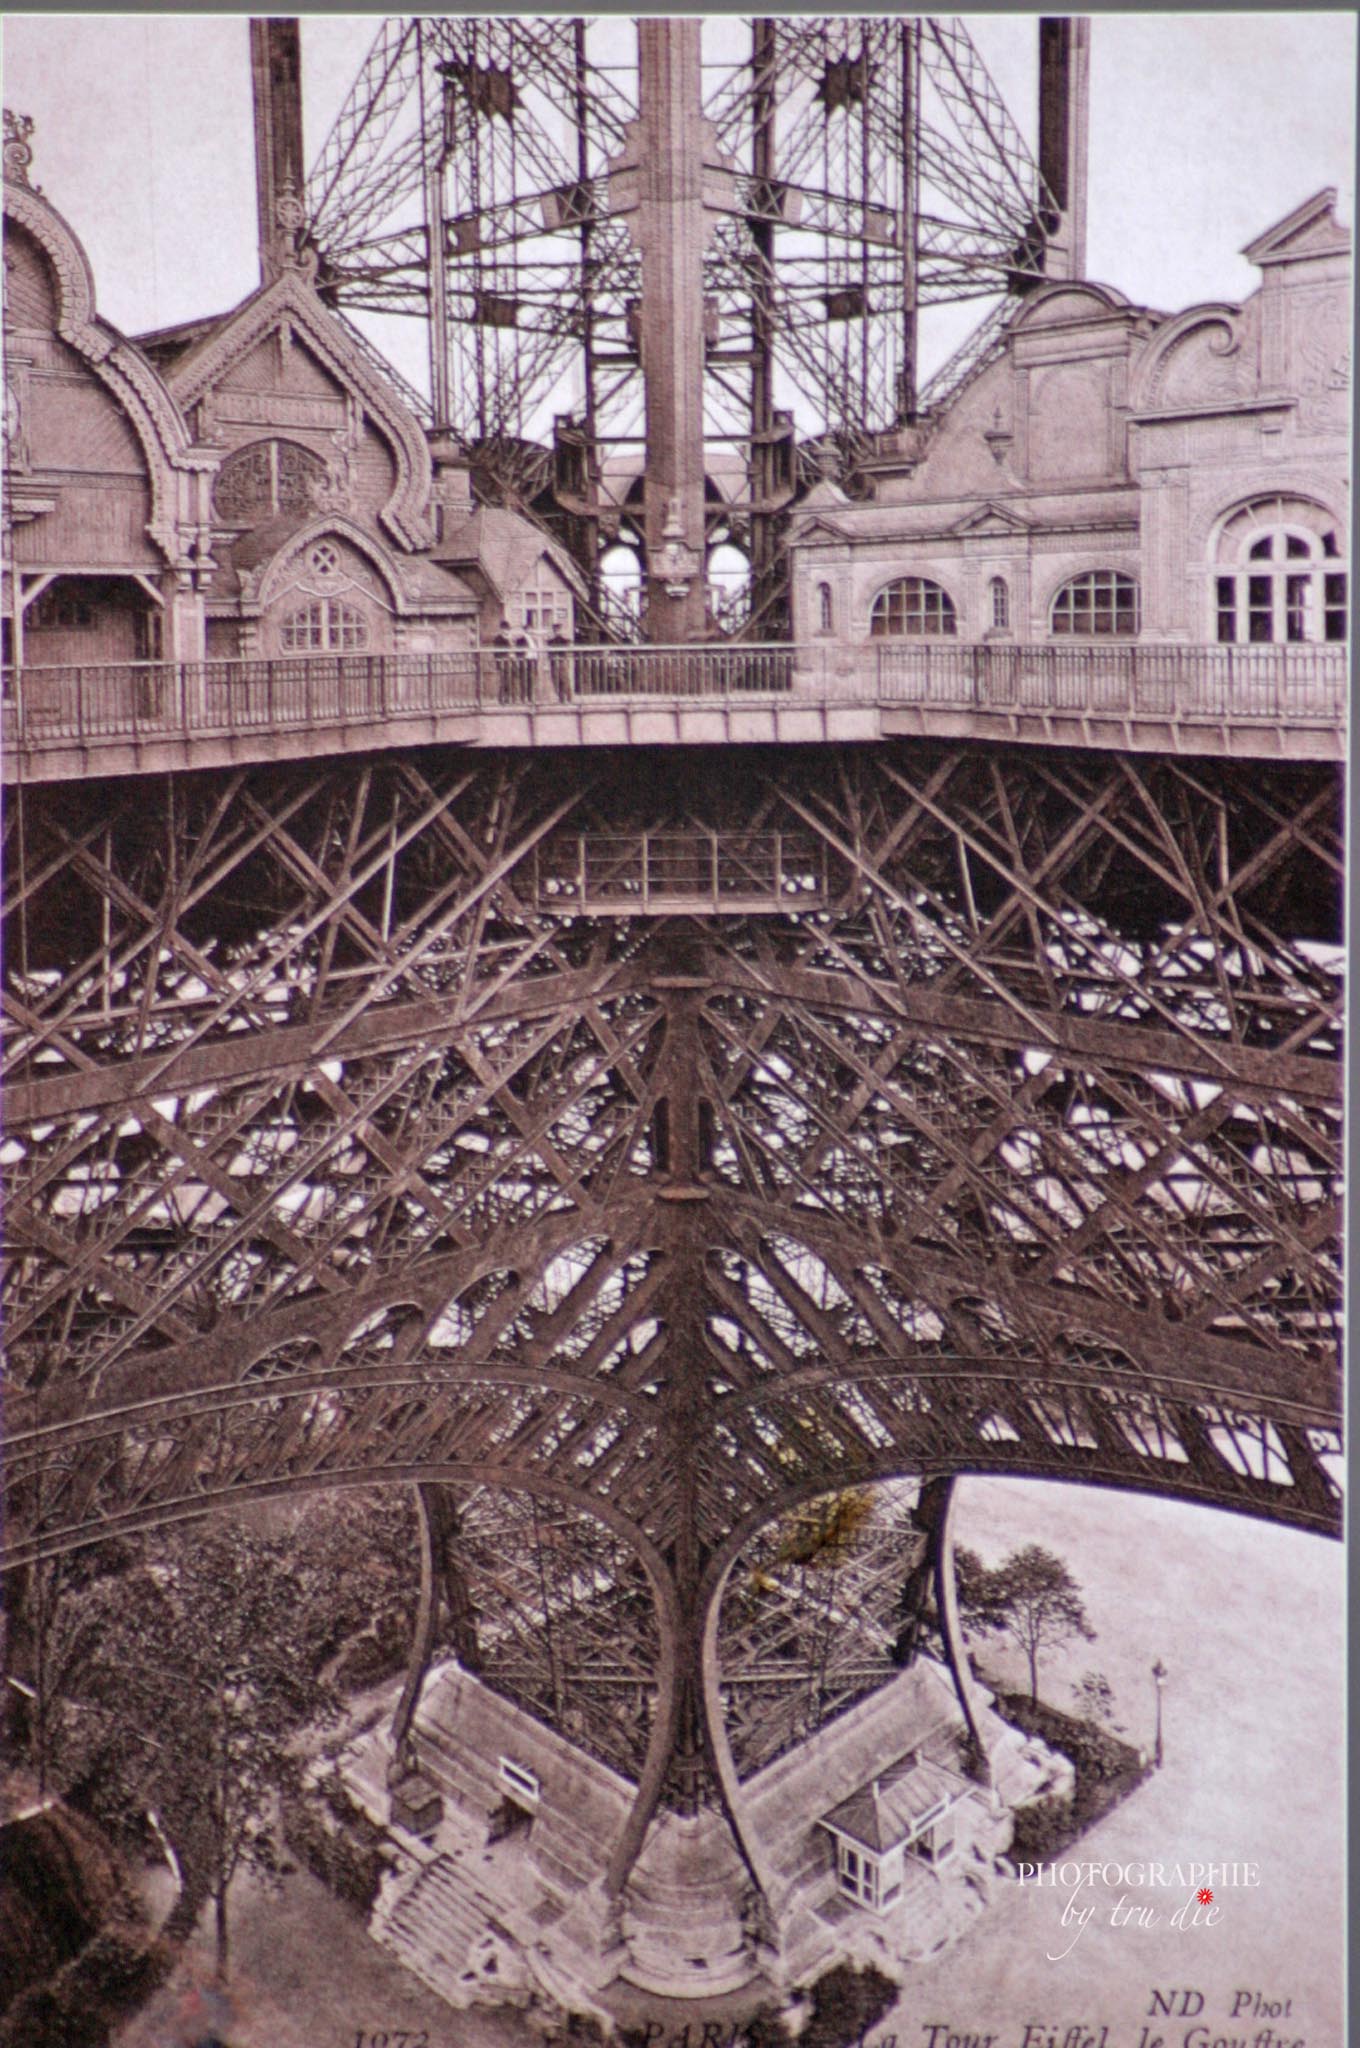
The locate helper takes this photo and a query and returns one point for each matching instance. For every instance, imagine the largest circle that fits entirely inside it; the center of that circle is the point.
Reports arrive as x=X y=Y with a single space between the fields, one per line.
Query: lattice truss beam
x=331 y=1156
x=861 y=168
x=811 y=1617
x=555 y=1612
x=551 y=1610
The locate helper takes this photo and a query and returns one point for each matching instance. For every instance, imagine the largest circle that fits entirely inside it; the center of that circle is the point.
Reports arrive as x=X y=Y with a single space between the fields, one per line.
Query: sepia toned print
x=673 y=976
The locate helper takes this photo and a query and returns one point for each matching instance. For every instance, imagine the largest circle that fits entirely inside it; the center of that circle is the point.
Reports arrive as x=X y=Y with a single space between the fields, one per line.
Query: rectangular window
x=147 y=635
x=519 y=1779
x=1296 y=608
x=858 y=1875
x=1227 y=609
x=1259 y=624
x=1334 y=607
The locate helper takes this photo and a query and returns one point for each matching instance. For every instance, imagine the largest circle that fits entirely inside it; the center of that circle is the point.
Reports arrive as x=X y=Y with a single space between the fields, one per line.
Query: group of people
x=519 y=662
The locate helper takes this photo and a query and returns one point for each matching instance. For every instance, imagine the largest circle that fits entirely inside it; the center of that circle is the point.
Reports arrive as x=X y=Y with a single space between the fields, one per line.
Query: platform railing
x=83 y=706
x=1136 y=679
x=93 y=701
x=46 y=707
x=646 y=871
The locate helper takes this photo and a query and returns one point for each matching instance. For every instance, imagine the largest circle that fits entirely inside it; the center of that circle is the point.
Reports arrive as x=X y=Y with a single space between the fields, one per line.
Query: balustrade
x=48 y=709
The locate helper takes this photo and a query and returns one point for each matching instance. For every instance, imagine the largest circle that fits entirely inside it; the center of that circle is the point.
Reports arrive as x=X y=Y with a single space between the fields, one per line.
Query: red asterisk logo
x=1205 y=1896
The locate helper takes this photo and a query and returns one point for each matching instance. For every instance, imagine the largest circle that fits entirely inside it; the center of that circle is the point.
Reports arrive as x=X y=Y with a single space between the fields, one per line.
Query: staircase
x=927 y=1919
x=433 y=1926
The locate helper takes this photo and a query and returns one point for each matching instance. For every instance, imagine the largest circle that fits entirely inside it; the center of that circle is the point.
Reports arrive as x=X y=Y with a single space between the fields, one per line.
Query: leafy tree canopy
x=1031 y=1597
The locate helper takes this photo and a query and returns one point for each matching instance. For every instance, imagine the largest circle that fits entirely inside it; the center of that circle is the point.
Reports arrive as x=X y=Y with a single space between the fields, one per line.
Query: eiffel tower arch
x=671 y=1147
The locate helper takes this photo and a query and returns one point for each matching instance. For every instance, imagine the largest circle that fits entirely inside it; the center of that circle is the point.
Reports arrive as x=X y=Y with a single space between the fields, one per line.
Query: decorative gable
x=1310 y=230
x=281 y=363
x=137 y=429
x=992 y=519
x=820 y=529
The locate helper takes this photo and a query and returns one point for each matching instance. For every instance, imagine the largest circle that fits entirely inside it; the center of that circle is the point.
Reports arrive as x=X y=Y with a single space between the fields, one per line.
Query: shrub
x=846 y=2003
x=346 y=1852
x=1041 y=1829
x=109 y=1980
x=61 y=1879
x=1106 y=1771
x=765 y=2029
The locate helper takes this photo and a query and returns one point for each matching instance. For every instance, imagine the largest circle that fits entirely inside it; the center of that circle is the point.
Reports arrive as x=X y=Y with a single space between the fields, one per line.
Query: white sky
x=1205 y=128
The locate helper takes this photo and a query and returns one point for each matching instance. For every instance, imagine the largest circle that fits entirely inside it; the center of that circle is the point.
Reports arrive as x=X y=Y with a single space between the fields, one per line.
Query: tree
x=50 y=1648
x=354 y=1559
x=1094 y=1695
x=200 y=1682
x=1030 y=1597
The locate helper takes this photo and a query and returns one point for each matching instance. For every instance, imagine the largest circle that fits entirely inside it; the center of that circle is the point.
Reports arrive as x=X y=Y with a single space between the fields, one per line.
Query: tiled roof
x=504 y=547
x=888 y=1812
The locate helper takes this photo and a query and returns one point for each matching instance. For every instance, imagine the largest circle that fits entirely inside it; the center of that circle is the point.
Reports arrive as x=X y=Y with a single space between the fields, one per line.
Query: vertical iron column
x=590 y=551
x=276 y=82
x=1064 y=121
x=670 y=230
x=907 y=379
x=436 y=239
x=763 y=538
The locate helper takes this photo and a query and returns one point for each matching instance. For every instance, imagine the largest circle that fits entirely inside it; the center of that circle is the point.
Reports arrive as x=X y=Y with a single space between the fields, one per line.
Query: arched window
x=728 y=576
x=1280 y=577
x=826 y=616
x=268 y=477
x=621 y=585
x=1001 y=604
x=1102 y=602
x=913 y=605
x=324 y=627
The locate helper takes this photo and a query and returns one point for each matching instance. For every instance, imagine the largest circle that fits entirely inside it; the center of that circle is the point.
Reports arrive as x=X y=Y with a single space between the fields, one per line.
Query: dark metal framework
x=337 y=1152
x=855 y=171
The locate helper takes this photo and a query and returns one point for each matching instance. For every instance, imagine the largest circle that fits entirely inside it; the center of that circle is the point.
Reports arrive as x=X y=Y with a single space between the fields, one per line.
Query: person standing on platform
x=526 y=667
x=502 y=650
x=559 y=665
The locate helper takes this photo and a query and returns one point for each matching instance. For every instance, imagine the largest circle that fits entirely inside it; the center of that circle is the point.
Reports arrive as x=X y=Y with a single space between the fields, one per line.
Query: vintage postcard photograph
x=673 y=737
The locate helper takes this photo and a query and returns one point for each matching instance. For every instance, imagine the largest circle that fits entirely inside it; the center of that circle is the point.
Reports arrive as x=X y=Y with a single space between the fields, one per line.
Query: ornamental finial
x=289 y=211
x=18 y=152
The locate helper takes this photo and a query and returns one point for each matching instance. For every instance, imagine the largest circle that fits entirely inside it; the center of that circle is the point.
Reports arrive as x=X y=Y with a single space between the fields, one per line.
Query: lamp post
x=1159 y=1680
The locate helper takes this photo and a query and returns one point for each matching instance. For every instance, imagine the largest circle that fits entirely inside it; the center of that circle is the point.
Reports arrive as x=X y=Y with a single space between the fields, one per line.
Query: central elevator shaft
x=670 y=227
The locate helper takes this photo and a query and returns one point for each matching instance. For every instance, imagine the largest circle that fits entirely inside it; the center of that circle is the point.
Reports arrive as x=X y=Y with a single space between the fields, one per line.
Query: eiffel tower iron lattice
x=342 y=1149
x=847 y=172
